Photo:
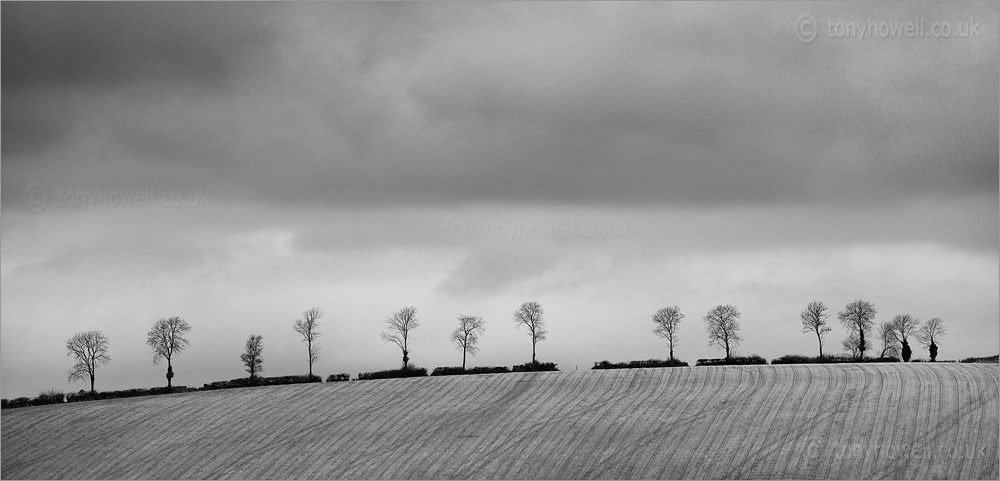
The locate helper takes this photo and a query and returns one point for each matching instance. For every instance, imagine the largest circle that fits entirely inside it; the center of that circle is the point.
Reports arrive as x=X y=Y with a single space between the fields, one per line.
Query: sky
x=237 y=164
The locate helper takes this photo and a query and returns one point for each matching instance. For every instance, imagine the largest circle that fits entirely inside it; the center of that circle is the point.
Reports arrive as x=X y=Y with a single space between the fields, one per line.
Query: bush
x=259 y=381
x=455 y=371
x=639 y=364
x=988 y=359
x=535 y=367
x=19 y=402
x=338 y=377
x=732 y=361
x=800 y=359
x=393 y=373
x=49 y=397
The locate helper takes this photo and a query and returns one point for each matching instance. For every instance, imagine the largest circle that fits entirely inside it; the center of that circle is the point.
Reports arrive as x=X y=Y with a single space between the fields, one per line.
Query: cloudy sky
x=237 y=164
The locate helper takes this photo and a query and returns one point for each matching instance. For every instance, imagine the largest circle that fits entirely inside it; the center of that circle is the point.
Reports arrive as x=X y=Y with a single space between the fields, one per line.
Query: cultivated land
x=810 y=421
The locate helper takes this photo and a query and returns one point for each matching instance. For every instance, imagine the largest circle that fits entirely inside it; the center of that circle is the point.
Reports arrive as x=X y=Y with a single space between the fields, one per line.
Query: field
x=809 y=421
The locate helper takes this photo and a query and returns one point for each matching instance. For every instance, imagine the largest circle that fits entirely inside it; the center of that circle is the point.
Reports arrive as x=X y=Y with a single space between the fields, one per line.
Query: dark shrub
x=49 y=397
x=259 y=381
x=338 y=377
x=19 y=402
x=799 y=359
x=456 y=371
x=393 y=373
x=639 y=364
x=988 y=359
x=3 y=404
x=535 y=367
x=732 y=361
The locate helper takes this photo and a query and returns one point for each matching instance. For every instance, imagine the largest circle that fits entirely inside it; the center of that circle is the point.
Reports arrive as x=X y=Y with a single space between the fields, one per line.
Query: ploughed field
x=808 y=421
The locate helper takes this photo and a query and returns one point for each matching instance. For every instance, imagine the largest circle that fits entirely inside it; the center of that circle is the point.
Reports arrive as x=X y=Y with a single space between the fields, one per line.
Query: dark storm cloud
x=394 y=104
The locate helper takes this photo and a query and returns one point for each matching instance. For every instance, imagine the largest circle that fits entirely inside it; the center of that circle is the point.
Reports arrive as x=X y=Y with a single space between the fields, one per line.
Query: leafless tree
x=931 y=332
x=722 y=324
x=531 y=315
x=852 y=345
x=890 y=344
x=308 y=328
x=253 y=355
x=466 y=335
x=857 y=317
x=90 y=351
x=166 y=337
x=667 y=321
x=814 y=320
x=906 y=326
x=400 y=324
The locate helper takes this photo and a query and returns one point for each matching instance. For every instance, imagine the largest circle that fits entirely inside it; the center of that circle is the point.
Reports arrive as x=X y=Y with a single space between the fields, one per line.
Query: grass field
x=808 y=421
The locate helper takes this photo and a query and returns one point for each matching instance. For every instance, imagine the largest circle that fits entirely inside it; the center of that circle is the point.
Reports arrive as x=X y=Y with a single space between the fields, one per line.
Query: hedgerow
x=732 y=361
x=393 y=373
x=457 y=371
x=639 y=364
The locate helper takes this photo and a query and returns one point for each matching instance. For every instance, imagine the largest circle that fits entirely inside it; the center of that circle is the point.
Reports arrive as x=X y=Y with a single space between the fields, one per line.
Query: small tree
x=722 y=324
x=667 y=321
x=857 y=317
x=90 y=351
x=253 y=355
x=852 y=345
x=905 y=326
x=814 y=320
x=531 y=315
x=400 y=324
x=166 y=337
x=308 y=328
x=466 y=335
x=890 y=344
x=931 y=332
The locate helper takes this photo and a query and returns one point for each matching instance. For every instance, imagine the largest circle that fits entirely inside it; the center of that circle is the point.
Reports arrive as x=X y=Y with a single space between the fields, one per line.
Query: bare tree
x=857 y=317
x=667 y=321
x=890 y=344
x=466 y=335
x=90 y=350
x=531 y=315
x=722 y=324
x=852 y=345
x=931 y=332
x=400 y=324
x=166 y=337
x=253 y=355
x=308 y=328
x=814 y=320
x=905 y=326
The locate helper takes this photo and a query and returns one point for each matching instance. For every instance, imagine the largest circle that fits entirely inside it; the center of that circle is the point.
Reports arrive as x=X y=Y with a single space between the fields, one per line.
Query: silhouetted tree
x=466 y=335
x=166 y=337
x=814 y=320
x=722 y=324
x=253 y=355
x=400 y=324
x=308 y=328
x=857 y=317
x=931 y=332
x=90 y=351
x=890 y=344
x=906 y=326
x=667 y=321
x=531 y=315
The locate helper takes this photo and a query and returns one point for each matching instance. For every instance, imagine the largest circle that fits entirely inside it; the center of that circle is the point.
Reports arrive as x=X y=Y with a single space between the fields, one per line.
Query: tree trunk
x=727 y=349
x=861 y=343
x=820 y=340
x=907 y=352
x=671 y=351
x=933 y=349
x=533 y=352
x=91 y=382
x=170 y=374
x=463 y=359
x=406 y=359
x=309 y=345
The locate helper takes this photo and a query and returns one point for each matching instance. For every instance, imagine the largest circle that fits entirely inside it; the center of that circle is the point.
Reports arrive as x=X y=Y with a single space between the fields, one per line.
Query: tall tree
x=308 y=328
x=166 y=337
x=930 y=333
x=667 y=321
x=814 y=320
x=466 y=335
x=857 y=317
x=90 y=351
x=400 y=323
x=890 y=343
x=531 y=315
x=906 y=326
x=722 y=324
x=253 y=355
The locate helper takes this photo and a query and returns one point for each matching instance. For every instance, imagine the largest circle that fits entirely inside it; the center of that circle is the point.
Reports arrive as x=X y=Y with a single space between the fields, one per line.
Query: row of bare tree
x=859 y=319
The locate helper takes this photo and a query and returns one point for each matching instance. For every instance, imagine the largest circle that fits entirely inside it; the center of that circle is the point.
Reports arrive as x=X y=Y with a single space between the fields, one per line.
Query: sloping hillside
x=814 y=421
